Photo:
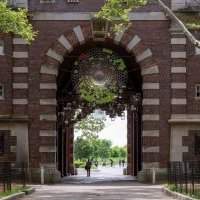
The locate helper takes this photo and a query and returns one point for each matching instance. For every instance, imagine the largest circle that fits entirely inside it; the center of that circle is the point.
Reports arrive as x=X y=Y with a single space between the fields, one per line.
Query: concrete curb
x=176 y=194
x=19 y=194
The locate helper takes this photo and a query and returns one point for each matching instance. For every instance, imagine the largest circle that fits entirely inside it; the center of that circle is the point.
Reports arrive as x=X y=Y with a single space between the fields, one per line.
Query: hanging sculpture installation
x=99 y=81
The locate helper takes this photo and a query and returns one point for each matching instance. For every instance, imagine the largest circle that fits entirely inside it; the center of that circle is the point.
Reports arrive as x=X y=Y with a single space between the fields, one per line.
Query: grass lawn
x=15 y=189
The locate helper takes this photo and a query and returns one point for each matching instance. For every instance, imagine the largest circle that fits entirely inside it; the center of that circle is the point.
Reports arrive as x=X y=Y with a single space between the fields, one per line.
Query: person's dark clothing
x=96 y=163
x=88 y=166
x=120 y=163
x=111 y=162
x=123 y=163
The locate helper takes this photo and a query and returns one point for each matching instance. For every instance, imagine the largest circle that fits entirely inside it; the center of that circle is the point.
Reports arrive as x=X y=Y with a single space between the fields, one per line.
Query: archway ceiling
x=66 y=83
x=134 y=74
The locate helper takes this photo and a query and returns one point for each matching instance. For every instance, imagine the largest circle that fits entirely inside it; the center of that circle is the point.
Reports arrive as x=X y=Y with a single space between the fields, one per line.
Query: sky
x=116 y=131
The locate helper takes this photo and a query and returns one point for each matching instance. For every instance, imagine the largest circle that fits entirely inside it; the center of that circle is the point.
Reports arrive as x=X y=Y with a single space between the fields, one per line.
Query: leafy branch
x=96 y=94
x=16 y=22
x=90 y=127
x=118 y=10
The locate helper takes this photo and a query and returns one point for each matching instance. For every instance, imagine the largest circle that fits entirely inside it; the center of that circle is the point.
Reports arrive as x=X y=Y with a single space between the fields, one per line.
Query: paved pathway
x=114 y=191
x=102 y=174
x=101 y=186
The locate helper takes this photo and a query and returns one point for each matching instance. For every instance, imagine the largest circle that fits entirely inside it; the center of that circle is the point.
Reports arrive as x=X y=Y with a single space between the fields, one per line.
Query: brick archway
x=133 y=44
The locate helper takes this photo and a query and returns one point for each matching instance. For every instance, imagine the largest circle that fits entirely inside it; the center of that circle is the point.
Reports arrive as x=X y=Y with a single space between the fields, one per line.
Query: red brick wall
x=6 y=75
x=157 y=38
x=154 y=34
x=9 y=141
x=83 y=6
x=193 y=75
x=190 y=142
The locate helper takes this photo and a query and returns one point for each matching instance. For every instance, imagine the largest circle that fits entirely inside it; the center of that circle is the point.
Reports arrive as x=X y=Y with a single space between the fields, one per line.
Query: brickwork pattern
x=9 y=147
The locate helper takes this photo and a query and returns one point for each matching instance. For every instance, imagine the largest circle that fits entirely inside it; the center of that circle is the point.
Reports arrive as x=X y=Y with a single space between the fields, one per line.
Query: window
x=47 y=1
x=1 y=91
x=178 y=4
x=1 y=47
x=197 y=144
x=72 y=1
x=197 y=91
x=2 y=143
x=18 y=3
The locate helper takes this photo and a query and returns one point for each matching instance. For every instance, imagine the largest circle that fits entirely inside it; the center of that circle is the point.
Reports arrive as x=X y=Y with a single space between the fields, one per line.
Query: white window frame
x=72 y=1
x=18 y=3
x=47 y=1
x=197 y=90
x=178 y=4
x=2 y=89
x=2 y=47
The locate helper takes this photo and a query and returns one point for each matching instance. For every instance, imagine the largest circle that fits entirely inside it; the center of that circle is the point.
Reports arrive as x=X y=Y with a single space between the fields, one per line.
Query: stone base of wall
x=146 y=175
x=51 y=175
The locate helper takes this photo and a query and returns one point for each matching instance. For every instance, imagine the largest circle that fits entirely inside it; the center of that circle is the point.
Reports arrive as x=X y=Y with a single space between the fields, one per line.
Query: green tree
x=88 y=145
x=16 y=22
x=115 y=152
x=116 y=11
x=85 y=148
x=119 y=152
x=104 y=150
x=119 y=9
x=90 y=127
x=123 y=152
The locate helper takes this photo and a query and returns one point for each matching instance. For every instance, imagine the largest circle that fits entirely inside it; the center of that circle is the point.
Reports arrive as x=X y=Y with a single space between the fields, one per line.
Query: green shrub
x=79 y=164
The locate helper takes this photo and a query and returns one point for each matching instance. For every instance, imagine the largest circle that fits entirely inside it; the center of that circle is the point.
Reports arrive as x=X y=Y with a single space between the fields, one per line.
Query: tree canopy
x=118 y=10
x=97 y=149
x=90 y=127
x=119 y=152
x=16 y=22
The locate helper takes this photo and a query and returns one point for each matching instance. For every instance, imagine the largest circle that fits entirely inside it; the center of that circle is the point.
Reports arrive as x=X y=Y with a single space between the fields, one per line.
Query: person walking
x=120 y=163
x=111 y=162
x=96 y=163
x=123 y=163
x=88 y=166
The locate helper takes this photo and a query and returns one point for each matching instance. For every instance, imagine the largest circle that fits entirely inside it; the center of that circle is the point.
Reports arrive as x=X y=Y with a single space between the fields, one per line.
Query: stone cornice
x=85 y=16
